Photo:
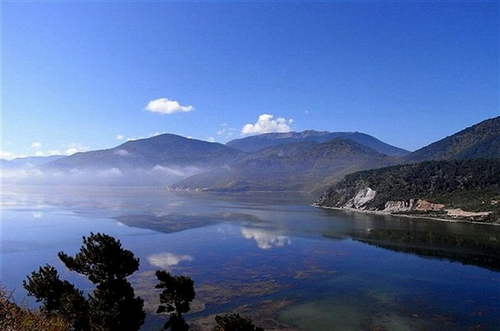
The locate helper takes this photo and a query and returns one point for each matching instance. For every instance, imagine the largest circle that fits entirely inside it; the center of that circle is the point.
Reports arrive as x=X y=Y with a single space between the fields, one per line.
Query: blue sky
x=82 y=76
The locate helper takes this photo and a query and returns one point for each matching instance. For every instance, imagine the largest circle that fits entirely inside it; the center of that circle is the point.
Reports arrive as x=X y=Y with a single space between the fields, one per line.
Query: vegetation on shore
x=112 y=305
x=16 y=317
x=471 y=185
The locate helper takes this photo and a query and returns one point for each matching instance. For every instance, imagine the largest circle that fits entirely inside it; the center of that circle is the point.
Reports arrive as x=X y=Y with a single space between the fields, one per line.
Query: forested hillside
x=472 y=185
x=481 y=140
x=293 y=167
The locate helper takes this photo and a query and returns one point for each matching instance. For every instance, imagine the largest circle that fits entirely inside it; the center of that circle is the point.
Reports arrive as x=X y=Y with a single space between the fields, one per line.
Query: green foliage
x=235 y=322
x=112 y=305
x=102 y=259
x=175 y=299
x=60 y=298
x=478 y=141
x=17 y=318
x=472 y=185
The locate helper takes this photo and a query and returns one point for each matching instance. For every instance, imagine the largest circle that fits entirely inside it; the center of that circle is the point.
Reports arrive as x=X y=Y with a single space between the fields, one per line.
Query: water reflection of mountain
x=174 y=222
x=482 y=250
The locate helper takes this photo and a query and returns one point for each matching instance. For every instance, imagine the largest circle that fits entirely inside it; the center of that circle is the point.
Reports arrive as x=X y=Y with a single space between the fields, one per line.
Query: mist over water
x=113 y=176
x=273 y=257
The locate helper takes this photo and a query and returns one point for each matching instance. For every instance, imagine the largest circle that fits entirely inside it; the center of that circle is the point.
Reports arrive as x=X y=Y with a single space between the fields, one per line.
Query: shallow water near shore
x=272 y=257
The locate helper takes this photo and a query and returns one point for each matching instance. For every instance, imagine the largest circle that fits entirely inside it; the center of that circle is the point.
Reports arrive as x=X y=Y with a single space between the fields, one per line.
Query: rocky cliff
x=459 y=190
x=361 y=201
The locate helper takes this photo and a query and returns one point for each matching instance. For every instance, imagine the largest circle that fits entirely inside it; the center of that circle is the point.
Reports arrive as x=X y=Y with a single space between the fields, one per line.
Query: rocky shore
x=415 y=208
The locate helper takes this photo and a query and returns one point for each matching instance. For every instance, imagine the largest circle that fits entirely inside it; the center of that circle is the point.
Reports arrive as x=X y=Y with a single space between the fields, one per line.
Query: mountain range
x=303 y=162
x=300 y=166
x=259 y=142
x=293 y=161
x=165 y=150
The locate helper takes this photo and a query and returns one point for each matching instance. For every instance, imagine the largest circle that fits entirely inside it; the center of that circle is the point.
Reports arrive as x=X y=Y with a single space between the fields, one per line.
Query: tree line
x=113 y=305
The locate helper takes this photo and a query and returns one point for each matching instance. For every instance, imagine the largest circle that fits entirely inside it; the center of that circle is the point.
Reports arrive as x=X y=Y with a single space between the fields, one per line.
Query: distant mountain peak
x=259 y=142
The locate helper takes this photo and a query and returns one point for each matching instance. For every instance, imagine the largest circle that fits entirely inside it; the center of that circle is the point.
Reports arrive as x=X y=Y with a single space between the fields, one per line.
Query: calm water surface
x=287 y=265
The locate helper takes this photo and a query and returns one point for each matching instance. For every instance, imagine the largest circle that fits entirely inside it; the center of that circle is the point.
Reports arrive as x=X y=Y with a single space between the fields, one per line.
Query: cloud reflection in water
x=166 y=260
x=265 y=240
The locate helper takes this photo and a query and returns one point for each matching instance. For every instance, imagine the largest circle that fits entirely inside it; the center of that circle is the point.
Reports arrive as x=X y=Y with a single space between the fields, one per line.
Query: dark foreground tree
x=234 y=322
x=112 y=305
x=102 y=259
x=60 y=298
x=175 y=299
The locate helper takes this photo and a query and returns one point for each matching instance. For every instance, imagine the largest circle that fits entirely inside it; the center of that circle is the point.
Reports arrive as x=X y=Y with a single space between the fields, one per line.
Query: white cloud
x=122 y=152
x=7 y=155
x=264 y=239
x=71 y=151
x=226 y=131
x=120 y=137
x=145 y=137
x=110 y=176
x=49 y=153
x=39 y=151
x=166 y=260
x=266 y=124
x=170 y=171
x=211 y=139
x=113 y=172
x=166 y=106
x=74 y=148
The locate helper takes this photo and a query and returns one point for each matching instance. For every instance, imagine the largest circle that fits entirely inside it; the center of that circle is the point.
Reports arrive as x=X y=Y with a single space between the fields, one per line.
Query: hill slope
x=259 y=142
x=165 y=150
x=160 y=160
x=292 y=167
x=478 y=141
x=427 y=187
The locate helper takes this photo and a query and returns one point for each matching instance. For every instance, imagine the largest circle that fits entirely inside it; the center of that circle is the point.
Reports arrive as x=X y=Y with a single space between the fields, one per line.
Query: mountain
x=303 y=166
x=4 y=164
x=166 y=150
x=435 y=188
x=31 y=161
x=478 y=141
x=160 y=160
x=259 y=142
x=294 y=161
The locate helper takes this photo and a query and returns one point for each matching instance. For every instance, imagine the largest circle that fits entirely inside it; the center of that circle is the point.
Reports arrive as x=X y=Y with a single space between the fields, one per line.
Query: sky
x=79 y=76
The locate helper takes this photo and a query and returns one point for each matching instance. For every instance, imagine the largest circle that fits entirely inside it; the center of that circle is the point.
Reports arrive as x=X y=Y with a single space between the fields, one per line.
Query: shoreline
x=412 y=216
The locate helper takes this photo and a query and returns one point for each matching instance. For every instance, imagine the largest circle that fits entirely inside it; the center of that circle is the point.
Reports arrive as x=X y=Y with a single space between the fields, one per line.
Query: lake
x=272 y=257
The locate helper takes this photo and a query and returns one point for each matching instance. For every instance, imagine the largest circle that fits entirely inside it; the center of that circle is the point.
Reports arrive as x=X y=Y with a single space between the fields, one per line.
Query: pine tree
x=177 y=294
x=112 y=305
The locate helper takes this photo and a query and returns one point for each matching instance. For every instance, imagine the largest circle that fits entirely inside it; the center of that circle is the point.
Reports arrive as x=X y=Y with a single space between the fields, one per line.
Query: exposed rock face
x=463 y=190
x=363 y=196
x=416 y=205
